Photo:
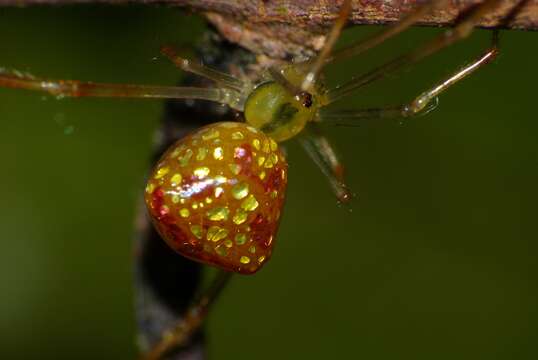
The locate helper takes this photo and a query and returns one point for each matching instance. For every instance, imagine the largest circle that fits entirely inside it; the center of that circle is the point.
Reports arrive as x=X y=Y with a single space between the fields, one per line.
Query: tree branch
x=281 y=28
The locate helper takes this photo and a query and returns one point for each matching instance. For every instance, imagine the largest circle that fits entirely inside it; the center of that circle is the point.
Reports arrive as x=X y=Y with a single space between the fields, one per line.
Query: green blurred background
x=436 y=260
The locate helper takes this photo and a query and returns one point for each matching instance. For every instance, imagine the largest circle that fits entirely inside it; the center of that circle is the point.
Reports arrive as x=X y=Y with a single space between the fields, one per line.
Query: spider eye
x=305 y=98
x=216 y=196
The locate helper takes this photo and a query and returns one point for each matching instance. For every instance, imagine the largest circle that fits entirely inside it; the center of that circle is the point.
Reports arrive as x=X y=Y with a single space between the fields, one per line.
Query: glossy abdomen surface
x=216 y=196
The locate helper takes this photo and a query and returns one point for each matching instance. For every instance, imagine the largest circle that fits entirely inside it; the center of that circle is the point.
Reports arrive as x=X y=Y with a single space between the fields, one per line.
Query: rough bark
x=281 y=28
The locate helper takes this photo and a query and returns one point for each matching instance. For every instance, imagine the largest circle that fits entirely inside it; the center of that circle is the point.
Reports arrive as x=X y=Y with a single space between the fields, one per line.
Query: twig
x=281 y=28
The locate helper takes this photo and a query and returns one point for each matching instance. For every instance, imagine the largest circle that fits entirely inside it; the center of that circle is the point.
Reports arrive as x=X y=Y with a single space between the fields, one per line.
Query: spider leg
x=425 y=102
x=322 y=153
x=320 y=60
x=390 y=31
x=220 y=78
x=193 y=318
x=462 y=30
x=325 y=57
x=74 y=88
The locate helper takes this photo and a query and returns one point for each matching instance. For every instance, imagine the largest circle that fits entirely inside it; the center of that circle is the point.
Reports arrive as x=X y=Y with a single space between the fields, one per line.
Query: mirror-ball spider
x=216 y=195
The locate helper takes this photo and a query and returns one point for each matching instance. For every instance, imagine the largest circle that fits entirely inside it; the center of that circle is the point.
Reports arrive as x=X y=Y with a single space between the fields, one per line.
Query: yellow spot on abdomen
x=176 y=179
x=211 y=134
x=161 y=172
x=201 y=172
x=240 y=190
x=240 y=217
x=218 y=213
x=196 y=230
x=216 y=233
x=202 y=153
x=250 y=203
x=218 y=153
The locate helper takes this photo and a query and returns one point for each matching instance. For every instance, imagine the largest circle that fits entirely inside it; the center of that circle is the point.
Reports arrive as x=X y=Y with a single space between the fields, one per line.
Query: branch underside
x=282 y=28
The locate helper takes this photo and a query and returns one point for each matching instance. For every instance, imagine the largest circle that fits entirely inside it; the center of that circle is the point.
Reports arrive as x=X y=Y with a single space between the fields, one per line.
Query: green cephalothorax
x=277 y=112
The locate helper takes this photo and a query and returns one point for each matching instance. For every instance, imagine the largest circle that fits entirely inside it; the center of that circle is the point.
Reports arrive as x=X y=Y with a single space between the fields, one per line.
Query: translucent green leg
x=459 y=32
x=387 y=33
x=313 y=66
x=320 y=150
x=426 y=101
x=320 y=60
x=74 y=88
x=220 y=78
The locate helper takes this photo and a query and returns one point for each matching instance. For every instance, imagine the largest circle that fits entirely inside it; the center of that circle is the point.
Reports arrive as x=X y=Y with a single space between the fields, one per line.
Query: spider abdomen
x=216 y=196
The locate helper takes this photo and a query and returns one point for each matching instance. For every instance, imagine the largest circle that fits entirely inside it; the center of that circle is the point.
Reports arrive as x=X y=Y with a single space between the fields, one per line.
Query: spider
x=286 y=101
